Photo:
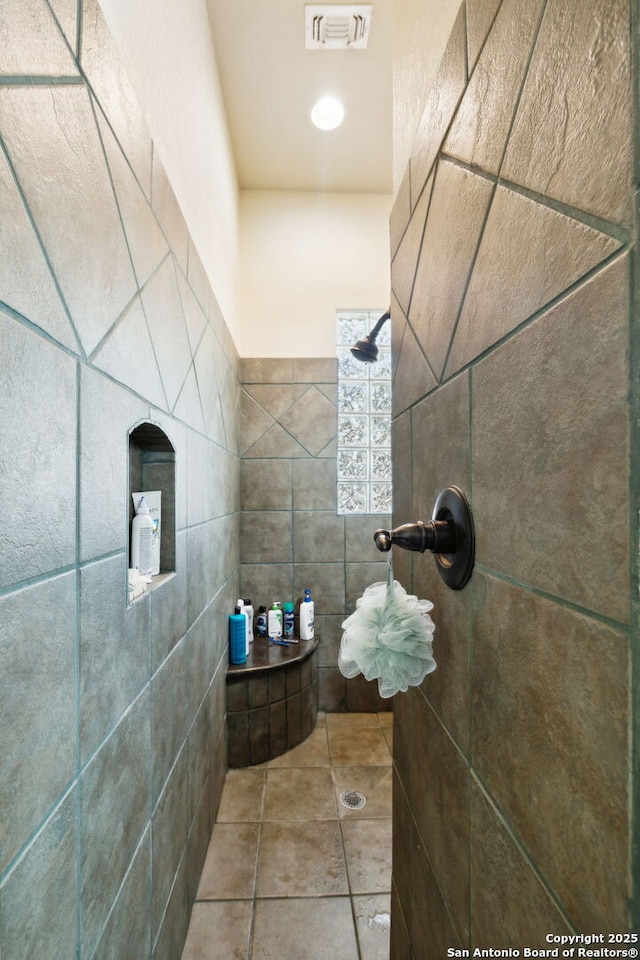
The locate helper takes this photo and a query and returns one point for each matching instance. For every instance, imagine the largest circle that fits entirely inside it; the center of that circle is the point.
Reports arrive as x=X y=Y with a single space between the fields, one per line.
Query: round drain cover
x=353 y=799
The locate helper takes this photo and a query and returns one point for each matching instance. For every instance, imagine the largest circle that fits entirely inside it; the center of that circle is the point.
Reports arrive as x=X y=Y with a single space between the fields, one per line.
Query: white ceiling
x=270 y=83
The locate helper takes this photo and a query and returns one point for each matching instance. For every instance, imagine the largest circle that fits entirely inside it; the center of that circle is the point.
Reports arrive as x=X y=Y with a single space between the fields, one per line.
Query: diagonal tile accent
x=403 y=267
x=479 y=131
x=188 y=407
x=205 y=366
x=25 y=278
x=528 y=255
x=102 y=65
x=413 y=377
x=276 y=398
x=66 y=13
x=459 y=204
x=167 y=210
x=312 y=421
x=276 y=442
x=254 y=421
x=447 y=89
x=194 y=316
x=578 y=90
x=32 y=44
x=146 y=241
x=162 y=305
x=401 y=213
x=73 y=206
x=127 y=354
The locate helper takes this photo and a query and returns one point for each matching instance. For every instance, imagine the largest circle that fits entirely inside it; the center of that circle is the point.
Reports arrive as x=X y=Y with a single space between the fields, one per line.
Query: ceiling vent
x=337 y=26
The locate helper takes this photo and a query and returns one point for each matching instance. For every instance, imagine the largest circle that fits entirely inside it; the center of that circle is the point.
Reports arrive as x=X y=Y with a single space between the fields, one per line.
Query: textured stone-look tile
x=276 y=442
x=481 y=126
x=439 y=448
x=264 y=582
x=304 y=929
x=414 y=377
x=114 y=644
x=266 y=536
x=303 y=859
x=480 y=16
x=359 y=530
x=73 y=206
x=66 y=13
x=364 y=748
x=168 y=838
x=197 y=276
x=444 y=95
x=312 y=752
x=127 y=355
x=129 y=921
x=584 y=158
x=102 y=65
x=25 y=277
x=509 y=904
x=311 y=421
x=32 y=44
x=43 y=925
x=37 y=705
x=550 y=448
x=265 y=485
x=167 y=210
x=403 y=266
x=315 y=370
x=528 y=255
x=188 y=407
x=242 y=796
x=168 y=716
x=431 y=926
x=367 y=846
x=230 y=866
x=114 y=796
x=304 y=793
x=168 y=608
x=326 y=582
x=208 y=365
x=107 y=414
x=459 y=204
x=373 y=782
x=318 y=536
x=218 y=931
x=175 y=922
x=271 y=370
x=400 y=213
x=314 y=485
x=37 y=454
x=550 y=729
x=163 y=310
x=440 y=803
x=194 y=315
x=373 y=916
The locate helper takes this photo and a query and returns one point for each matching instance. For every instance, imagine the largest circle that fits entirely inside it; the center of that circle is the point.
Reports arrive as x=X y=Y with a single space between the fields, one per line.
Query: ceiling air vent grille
x=337 y=26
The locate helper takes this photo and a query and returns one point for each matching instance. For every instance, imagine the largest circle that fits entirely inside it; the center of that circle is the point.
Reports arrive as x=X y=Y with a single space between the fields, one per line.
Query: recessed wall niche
x=152 y=466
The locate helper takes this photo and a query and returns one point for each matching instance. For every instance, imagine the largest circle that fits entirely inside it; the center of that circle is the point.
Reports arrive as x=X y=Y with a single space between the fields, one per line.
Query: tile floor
x=291 y=873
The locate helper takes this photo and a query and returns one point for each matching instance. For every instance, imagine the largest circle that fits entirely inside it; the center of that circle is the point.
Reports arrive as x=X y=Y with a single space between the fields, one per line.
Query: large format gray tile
x=37 y=706
x=130 y=922
x=38 y=444
x=44 y=926
x=32 y=44
x=163 y=310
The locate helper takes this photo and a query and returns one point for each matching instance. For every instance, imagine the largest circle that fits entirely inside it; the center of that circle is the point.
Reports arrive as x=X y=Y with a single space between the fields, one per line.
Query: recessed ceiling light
x=327 y=114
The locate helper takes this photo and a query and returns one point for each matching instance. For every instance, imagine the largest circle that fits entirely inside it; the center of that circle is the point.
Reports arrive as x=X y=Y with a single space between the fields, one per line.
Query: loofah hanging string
x=388 y=638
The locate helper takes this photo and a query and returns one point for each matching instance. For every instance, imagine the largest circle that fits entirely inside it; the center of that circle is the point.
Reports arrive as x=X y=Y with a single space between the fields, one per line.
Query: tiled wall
x=512 y=237
x=113 y=747
x=291 y=536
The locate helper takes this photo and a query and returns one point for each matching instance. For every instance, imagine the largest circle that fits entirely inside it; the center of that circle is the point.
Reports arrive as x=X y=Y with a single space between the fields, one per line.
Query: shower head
x=366 y=350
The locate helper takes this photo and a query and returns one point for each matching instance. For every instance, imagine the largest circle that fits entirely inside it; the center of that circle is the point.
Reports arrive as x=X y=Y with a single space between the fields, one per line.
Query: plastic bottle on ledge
x=241 y=610
x=307 y=617
x=261 y=622
x=289 y=622
x=248 y=611
x=237 y=639
x=274 y=621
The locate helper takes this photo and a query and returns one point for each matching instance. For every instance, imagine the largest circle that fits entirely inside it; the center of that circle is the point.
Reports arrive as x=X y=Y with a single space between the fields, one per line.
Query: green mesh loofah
x=388 y=638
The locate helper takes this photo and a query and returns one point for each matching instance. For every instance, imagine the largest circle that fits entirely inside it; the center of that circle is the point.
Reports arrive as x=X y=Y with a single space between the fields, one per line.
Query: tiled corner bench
x=272 y=700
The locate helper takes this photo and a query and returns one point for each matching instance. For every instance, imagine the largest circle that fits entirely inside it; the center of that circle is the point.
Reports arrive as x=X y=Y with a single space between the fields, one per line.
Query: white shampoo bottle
x=142 y=530
x=306 y=617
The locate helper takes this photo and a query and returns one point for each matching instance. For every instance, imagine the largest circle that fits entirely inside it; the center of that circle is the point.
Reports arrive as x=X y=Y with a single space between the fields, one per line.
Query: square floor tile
x=230 y=866
x=359 y=747
x=312 y=752
x=316 y=929
x=303 y=859
x=374 y=783
x=352 y=721
x=299 y=793
x=367 y=845
x=373 y=924
x=219 y=931
x=242 y=796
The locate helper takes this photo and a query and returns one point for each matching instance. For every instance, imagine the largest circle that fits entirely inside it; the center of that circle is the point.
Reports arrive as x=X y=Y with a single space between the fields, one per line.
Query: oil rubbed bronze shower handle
x=438 y=536
x=449 y=535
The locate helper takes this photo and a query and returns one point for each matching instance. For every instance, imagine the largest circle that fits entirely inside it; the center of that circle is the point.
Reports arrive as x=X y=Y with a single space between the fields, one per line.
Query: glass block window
x=364 y=417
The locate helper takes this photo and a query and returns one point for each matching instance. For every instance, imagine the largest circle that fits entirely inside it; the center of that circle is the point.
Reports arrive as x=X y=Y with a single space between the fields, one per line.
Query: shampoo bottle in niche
x=306 y=617
x=142 y=530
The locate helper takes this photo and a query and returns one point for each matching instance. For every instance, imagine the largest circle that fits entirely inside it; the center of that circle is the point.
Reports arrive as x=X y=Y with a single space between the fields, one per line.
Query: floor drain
x=353 y=799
